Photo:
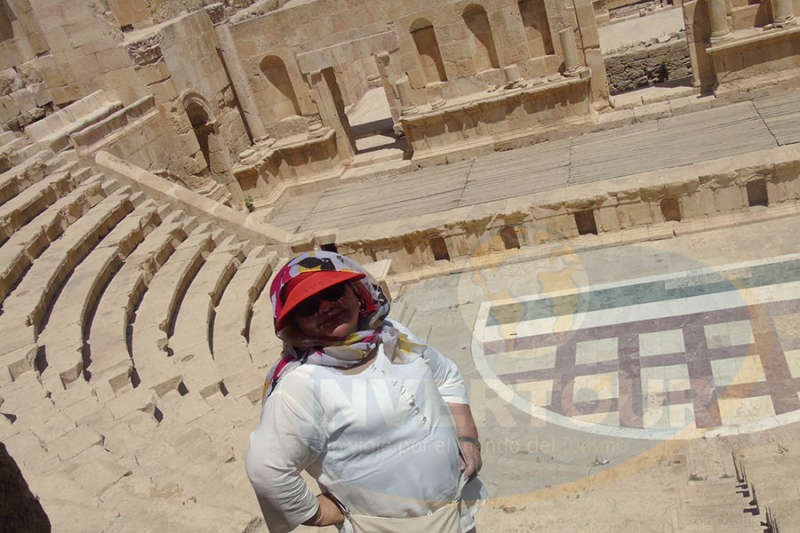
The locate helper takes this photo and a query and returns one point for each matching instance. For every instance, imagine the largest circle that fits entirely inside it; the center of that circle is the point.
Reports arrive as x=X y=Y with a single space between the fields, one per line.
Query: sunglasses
x=310 y=306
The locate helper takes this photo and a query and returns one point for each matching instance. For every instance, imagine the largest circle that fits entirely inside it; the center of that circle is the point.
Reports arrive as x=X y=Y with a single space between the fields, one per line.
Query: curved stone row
x=128 y=379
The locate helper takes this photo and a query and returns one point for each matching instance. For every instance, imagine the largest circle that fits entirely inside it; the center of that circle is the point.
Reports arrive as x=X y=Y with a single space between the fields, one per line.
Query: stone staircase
x=677 y=488
x=771 y=471
x=135 y=343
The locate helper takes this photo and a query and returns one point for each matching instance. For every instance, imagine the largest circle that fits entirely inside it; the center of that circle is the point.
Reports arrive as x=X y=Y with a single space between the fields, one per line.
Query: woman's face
x=334 y=318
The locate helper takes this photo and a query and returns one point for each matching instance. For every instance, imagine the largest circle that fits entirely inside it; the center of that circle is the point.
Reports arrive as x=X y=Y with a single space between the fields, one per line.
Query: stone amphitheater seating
x=137 y=333
x=136 y=340
x=128 y=377
x=53 y=131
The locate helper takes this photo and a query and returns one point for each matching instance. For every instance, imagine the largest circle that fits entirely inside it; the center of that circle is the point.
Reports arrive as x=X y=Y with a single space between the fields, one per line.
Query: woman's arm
x=328 y=513
x=467 y=438
x=287 y=440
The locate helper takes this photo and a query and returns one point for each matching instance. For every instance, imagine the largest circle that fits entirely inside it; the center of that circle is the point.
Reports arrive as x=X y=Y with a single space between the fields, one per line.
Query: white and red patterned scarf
x=350 y=351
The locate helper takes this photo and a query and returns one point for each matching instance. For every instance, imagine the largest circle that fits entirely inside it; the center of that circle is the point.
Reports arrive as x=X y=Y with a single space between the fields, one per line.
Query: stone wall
x=136 y=134
x=460 y=49
x=648 y=63
x=737 y=45
x=454 y=53
x=83 y=41
x=135 y=14
x=21 y=37
x=689 y=194
x=356 y=78
x=24 y=98
x=178 y=63
x=190 y=51
x=768 y=56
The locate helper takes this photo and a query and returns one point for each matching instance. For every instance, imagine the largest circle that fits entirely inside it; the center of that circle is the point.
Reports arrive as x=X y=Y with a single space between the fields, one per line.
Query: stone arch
x=430 y=57
x=202 y=121
x=212 y=146
x=280 y=91
x=484 y=51
x=537 y=27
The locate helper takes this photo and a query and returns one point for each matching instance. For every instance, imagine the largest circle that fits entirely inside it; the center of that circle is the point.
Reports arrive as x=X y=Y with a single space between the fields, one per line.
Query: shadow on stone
x=19 y=508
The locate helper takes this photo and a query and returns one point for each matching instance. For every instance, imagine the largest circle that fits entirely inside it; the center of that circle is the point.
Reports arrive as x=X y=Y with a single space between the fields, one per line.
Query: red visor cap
x=307 y=285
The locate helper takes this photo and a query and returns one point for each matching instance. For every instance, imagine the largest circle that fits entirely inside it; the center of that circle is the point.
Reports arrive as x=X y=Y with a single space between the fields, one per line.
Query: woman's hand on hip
x=328 y=514
x=471 y=461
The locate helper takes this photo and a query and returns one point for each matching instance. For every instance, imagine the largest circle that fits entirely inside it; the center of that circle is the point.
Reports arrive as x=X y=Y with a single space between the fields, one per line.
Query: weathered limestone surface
x=135 y=322
x=641 y=66
x=87 y=420
x=638 y=148
x=739 y=44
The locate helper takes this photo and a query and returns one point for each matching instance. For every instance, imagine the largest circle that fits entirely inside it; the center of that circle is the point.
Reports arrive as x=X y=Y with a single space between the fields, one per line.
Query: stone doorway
x=212 y=146
x=352 y=86
x=373 y=128
x=369 y=118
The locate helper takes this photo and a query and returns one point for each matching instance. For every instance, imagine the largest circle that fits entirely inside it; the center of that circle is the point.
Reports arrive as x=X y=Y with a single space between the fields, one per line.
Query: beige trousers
x=444 y=520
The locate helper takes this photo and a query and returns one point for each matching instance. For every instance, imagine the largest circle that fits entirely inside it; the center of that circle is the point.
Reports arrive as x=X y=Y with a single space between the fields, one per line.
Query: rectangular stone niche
x=585 y=222
x=439 y=249
x=671 y=209
x=757 y=193
x=510 y=238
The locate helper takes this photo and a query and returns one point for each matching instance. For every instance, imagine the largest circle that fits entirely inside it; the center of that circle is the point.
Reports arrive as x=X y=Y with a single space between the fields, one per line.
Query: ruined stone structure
x=156 y=156
x=735 y=44
x=640 y=66
x=254 y=103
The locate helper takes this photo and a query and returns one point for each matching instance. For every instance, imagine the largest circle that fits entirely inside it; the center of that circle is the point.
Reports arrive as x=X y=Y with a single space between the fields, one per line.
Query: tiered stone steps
x=659 y=495
x=53 y=131
x=71 y=315
x=110 y=358
x=128 y=382
x=135 y=344
x=771 y=471
x=233 y=320
x=156 y=313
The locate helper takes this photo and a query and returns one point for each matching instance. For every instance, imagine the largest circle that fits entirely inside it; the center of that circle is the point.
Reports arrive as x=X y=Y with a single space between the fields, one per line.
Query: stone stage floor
x=590 y=357
x=764 y=123
x=715 y=348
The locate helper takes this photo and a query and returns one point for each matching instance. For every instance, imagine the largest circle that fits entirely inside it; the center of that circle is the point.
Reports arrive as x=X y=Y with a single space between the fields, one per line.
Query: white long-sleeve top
x=382 y=441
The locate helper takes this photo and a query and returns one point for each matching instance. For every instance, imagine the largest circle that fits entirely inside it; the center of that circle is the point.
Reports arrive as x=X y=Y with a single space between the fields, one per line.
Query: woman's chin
x=342 y=330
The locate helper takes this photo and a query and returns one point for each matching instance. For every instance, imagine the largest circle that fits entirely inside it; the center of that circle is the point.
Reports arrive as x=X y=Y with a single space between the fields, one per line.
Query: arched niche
x=537 y=27
x=280 y=91
x=202 y=122
x=428 y=50
x=484 y=51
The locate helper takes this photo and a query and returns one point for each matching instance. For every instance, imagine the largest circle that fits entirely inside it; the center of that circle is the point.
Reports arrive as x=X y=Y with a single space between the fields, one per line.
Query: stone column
x=718 y=15
x=570 y=48
x=513 y=76
x=326 y=104
x=221 y=166
x=406 y=95
x=783 y=12
x=240 y=83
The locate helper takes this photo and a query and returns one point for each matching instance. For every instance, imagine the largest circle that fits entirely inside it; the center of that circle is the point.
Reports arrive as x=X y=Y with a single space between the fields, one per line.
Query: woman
x=378 y=418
